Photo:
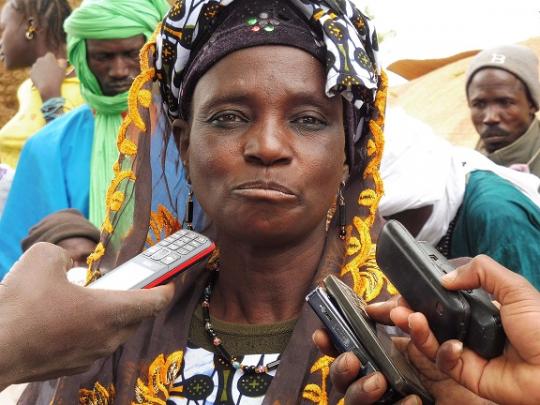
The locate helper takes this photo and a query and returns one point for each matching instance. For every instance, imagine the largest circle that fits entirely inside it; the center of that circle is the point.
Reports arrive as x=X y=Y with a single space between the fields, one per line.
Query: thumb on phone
x=484 y=272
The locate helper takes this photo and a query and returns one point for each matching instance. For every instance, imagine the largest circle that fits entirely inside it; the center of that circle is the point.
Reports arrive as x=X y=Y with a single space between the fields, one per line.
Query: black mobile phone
x=415 y=269
x=159 y=263
x=343 y=314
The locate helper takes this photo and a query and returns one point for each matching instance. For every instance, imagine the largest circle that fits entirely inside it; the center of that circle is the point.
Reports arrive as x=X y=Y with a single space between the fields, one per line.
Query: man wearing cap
x=503 y=92
x=69 y=163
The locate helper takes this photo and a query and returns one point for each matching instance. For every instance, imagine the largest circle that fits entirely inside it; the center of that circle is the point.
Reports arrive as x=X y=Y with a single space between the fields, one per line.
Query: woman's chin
x=272 y=231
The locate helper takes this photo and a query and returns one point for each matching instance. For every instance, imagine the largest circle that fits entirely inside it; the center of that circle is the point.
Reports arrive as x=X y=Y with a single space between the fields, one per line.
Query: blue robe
x=53 y=173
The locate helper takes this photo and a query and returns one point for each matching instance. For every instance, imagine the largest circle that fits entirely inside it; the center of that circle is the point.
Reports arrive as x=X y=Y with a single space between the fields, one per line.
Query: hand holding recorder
x=372 y=368
x=350 y=329
x=509 y=378
x=415 y=269
x=159 y=263
x=50 y=327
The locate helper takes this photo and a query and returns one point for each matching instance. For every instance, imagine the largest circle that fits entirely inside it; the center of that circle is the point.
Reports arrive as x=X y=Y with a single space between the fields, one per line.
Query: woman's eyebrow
x=304 y=97
x=230 y=98
x=307 y=98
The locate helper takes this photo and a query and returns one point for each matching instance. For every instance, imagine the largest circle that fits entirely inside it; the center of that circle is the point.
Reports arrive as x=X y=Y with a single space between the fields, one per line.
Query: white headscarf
x=420 y=168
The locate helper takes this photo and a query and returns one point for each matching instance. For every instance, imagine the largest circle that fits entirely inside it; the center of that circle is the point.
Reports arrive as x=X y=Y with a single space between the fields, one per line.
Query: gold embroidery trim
x=99 y=395
x=137 y=97
x=161 y=376
x=313 y=392
x=368 y=279
x=162 y=222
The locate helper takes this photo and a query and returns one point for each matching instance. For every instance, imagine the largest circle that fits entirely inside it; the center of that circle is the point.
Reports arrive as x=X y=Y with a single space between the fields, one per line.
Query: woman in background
x=33 y=36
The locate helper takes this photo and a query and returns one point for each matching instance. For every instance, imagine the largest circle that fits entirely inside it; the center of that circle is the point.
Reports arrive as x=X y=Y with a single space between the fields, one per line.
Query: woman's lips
x=265 y=191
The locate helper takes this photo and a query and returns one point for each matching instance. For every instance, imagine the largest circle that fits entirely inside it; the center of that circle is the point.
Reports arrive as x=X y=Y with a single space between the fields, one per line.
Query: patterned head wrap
x=106 y=19
x=245 y=25
x=183 y=50
x=350 y=47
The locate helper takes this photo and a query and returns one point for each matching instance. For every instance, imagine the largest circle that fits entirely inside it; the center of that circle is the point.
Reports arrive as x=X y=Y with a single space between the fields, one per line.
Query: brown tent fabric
x=411 y=69
x=438 y=96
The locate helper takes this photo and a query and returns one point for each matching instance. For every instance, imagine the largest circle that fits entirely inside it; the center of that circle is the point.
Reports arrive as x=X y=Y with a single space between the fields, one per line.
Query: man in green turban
x=68 y=164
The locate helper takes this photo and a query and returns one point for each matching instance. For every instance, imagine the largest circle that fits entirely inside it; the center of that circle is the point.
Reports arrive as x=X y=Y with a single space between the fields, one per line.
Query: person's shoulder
x=25 y=88
x=82 y=113
x=492 y=197
x=68 y=124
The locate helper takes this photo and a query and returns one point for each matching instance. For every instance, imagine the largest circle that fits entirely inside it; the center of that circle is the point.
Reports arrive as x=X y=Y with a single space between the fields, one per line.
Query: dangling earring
x=188 y=217
x=31 y=30
x=342 y=214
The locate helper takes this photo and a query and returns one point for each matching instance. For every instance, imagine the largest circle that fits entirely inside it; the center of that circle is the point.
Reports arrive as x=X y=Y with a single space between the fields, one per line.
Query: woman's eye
x=310 y=122
x=226 y=118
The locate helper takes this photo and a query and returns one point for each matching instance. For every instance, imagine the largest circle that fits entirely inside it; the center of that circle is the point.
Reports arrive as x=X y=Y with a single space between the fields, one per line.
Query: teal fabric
x=498 y=220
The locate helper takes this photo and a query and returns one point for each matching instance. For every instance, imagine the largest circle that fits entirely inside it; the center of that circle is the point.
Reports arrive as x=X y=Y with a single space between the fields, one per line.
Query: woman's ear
x=181 y=132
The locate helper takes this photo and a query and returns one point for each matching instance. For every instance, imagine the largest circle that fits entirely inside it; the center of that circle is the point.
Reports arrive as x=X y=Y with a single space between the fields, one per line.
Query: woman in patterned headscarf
x=276 y=108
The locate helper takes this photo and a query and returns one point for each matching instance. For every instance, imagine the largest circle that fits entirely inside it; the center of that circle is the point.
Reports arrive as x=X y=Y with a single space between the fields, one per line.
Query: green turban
x=106 y=19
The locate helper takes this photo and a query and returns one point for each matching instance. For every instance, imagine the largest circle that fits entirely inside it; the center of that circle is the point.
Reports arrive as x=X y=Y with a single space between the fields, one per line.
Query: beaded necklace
x=217 y=342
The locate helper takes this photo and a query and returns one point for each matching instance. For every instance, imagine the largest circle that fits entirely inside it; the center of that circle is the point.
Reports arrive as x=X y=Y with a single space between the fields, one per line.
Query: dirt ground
x=9 y=82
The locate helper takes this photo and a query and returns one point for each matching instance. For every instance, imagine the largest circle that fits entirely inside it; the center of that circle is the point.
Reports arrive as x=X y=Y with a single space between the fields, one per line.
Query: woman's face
x=264 y=147
x=15 y=50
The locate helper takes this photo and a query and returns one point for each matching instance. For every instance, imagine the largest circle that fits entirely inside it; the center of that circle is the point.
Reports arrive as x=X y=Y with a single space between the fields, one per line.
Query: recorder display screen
x=131 y=275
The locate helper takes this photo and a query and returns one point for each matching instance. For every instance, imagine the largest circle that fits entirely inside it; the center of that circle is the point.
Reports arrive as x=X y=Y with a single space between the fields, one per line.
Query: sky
x=424 y=29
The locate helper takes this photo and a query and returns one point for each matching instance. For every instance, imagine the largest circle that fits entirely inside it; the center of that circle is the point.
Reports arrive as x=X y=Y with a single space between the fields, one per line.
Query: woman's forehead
x=270 y=68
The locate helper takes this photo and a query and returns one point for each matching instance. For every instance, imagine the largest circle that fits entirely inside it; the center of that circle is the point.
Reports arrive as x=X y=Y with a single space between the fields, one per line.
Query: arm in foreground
x=50 y=327
x=510 y=378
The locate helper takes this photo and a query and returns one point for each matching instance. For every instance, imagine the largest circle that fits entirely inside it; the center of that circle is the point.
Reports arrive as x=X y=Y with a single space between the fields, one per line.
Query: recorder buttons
x=148 y=264
x=171 y=258
x=170 y=249
x=160 y=254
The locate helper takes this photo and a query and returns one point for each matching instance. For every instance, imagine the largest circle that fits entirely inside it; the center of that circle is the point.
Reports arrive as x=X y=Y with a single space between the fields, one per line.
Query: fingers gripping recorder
x=343 y=314
x=159 y=263
x=415 y=269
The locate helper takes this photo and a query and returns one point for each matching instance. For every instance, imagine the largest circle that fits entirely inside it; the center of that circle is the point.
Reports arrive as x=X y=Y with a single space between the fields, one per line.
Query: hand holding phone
x=159 y=263
x=415 y=269
x=342 y=312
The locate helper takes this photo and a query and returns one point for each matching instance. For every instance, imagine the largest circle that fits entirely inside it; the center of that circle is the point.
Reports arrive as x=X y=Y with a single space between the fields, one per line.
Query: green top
x=525 y=149
x=242 y=339
x=498 y=220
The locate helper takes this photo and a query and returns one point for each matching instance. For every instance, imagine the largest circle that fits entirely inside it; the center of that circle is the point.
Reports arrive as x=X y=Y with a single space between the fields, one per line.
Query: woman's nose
x=269 y=144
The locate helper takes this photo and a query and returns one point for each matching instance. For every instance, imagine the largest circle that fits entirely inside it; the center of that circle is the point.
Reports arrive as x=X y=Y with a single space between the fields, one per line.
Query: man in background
x=503 y=93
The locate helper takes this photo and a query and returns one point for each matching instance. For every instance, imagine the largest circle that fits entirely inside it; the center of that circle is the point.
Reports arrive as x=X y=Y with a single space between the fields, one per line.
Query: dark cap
x=516 y=59
x=64 y=224
x=246 y=24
